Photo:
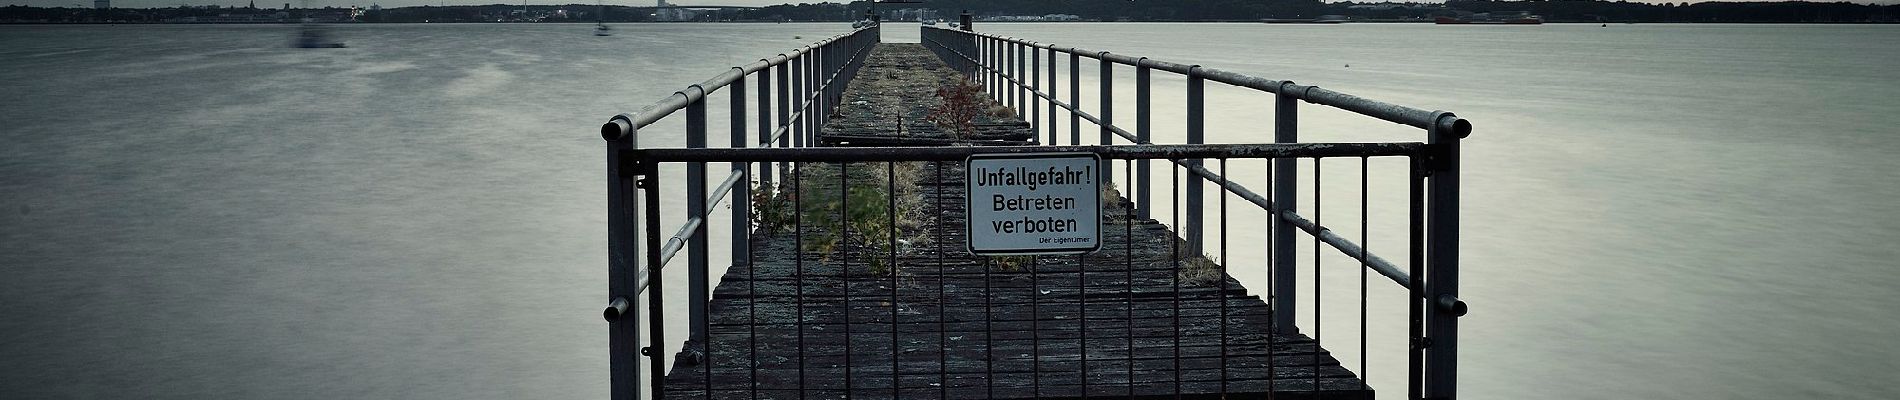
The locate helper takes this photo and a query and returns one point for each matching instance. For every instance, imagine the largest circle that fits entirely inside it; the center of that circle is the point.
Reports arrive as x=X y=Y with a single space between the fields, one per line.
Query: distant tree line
x=1095 y=10
x=1719 y=11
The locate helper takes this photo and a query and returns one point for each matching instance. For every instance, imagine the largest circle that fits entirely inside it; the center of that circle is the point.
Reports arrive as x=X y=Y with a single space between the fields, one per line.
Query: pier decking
x=1139 y=318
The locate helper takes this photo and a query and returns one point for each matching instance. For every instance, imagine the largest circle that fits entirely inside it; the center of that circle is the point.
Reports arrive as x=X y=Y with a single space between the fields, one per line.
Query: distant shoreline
x=980 y=23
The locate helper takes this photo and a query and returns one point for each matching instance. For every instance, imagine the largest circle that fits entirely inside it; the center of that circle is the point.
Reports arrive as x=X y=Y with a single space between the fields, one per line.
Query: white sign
x=1046 y=203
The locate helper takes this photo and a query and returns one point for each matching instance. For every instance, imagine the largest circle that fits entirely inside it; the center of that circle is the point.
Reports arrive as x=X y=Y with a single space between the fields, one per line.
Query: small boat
x=930 y=22
x=600 y=21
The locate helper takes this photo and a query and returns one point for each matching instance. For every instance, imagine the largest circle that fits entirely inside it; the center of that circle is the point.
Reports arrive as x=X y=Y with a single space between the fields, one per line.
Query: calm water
x=1651 y=211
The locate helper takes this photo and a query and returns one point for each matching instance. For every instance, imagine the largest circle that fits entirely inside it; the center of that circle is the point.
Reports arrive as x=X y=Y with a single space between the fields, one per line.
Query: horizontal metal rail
x=1415 y=117
x=679 y=100
x=1344 y=245
x=809 y=82
x=679 y=238
x=1432 y=279
x=1151 y=152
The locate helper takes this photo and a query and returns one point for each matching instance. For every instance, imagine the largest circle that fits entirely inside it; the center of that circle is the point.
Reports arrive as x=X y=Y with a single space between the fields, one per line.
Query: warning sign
x=1039 y=203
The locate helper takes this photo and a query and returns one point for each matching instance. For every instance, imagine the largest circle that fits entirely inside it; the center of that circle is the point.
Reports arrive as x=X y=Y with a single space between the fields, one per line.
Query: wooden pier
x=1137 y=319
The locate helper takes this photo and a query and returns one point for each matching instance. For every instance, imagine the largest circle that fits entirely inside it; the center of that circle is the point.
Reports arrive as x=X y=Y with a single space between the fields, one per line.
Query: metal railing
x=1011 y=70
x=809 y=83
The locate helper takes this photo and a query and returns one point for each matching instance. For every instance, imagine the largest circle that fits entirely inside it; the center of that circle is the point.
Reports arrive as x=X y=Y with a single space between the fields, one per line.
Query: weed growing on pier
x=1200 y=270
x=856 y=219
x=959 y=104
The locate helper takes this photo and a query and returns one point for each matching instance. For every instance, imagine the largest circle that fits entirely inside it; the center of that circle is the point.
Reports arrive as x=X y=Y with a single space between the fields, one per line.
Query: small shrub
x=960 y=103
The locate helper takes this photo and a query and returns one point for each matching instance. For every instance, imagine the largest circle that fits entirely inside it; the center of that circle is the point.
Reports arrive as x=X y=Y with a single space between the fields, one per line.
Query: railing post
x=697 y=271
x=1108 y=115
x=1035 y=85
x=765 y=124
x=794 y=100
x=742 y=193
x=1021 y=94
x=1196 y=134
x=623 y=197
x=1285 y=199
x=1075 y=97
x=656 y=287
x=1053 y=125
x=1441 y=282
x=1141 y=135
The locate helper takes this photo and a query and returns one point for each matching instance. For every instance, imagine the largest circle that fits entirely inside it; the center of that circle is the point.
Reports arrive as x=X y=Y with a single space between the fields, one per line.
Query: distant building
x=101 y=4
x=669 y=12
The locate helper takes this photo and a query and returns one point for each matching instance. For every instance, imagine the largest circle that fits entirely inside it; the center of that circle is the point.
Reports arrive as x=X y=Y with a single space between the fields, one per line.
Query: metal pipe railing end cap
x=615 y=309
x=1462 y=127
x=1451 y=305
x=617 y=128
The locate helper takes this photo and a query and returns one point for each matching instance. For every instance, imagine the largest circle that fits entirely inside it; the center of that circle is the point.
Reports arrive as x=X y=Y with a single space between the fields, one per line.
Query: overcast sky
x=402 y=3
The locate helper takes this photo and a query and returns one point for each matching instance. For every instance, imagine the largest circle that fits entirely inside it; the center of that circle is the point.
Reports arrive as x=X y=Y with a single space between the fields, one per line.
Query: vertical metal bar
x=817 y=95
x=1035 y=101
x=1052 y=96
x=1035 y=331
x=1365 y=248
x=1441 y=371
x=1286 y=190
x=890 y=188
x=765 y=177
x=795 y=100
x=1021 y=95
x=656 y=336
x=1128 y=269
x=798 y=267
x=1319 y=226
x=1142 y=135
x=784 y=103
x=741 y=218
x=1414 y=299
x=1082 y=296
x=1174 y=275
x=623 y=224
x=1273 y=260
x=989 y=339
x=1223 y=276
x=698 y=291
x=943 y=300
x=1196 y=134
x=1107 y=79
x=1075 y=97
x=844 y=265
